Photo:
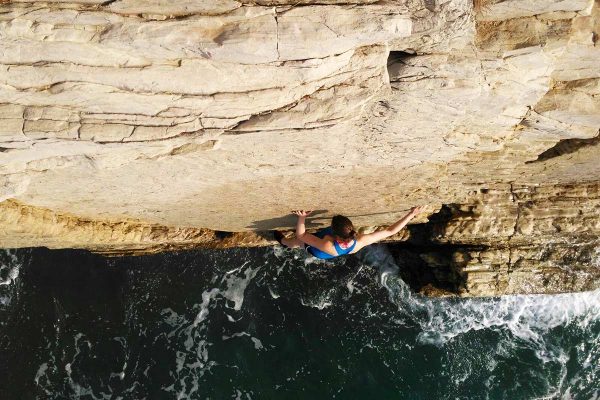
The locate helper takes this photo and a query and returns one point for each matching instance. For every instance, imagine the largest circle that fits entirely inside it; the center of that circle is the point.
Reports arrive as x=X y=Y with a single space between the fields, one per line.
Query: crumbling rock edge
x=515 y=240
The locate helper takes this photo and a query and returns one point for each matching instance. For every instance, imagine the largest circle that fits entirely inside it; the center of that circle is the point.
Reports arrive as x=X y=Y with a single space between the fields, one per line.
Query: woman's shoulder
x=358 y=244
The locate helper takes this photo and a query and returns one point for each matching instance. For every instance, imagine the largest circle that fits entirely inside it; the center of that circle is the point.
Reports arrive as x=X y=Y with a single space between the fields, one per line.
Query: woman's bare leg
x=292 y=243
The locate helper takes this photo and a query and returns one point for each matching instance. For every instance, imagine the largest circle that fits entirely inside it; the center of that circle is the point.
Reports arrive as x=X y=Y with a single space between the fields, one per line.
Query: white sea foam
x=319 y=303
x=257 y=343
x=40 y=372
x=350 y=282
x=236 y=286
x=272 y=293
x=230 y=318
x=207 y=296
x=527 y=317
x=10 y=266
x=193 y=363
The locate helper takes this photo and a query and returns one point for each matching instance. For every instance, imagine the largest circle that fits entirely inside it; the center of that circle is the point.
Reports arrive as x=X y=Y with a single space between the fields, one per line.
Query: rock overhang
x=190 y=117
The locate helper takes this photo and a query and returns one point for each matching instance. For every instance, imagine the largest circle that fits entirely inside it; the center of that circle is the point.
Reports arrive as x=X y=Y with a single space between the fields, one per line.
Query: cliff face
x=133 y=126
x=509 y=239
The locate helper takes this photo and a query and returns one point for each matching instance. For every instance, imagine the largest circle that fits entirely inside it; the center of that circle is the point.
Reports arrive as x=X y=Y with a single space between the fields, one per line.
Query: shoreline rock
x=138 y=127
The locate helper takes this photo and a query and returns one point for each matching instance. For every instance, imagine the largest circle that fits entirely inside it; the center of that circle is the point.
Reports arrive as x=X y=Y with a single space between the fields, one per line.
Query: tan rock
x=182 y=117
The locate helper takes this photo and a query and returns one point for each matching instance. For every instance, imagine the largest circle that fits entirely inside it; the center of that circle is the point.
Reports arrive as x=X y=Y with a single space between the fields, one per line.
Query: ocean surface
x=272 y=324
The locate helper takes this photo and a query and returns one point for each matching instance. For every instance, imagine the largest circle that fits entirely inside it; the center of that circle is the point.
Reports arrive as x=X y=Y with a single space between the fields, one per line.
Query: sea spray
x=11 y=262
x=441 y=319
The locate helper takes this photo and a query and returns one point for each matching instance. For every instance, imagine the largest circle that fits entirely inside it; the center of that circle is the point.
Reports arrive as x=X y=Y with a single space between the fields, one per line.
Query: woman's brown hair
x=342 y=227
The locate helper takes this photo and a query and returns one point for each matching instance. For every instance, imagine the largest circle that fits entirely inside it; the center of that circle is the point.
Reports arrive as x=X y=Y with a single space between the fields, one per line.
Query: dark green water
x=265 y=324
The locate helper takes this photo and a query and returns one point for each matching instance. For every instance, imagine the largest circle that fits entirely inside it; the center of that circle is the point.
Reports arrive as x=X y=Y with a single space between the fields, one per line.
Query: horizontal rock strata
x=511 y=240
x=42 y=227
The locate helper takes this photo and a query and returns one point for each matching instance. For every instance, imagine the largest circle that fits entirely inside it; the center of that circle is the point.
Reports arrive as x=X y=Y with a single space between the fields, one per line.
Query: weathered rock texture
x=132 y=125
x=509 y=239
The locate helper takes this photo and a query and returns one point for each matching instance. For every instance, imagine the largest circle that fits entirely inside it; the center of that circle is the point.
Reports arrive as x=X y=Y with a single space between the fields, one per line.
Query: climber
x=340 y=238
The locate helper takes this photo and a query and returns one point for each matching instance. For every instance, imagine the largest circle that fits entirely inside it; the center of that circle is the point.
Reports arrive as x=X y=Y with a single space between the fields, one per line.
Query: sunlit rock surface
x=137 y=126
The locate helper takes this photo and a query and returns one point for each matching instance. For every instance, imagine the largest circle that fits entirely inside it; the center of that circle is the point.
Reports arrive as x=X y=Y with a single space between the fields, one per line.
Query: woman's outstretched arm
x=365 y=240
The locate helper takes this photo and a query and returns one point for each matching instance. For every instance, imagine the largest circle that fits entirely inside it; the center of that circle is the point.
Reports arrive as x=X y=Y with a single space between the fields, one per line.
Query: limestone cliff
x=134 y=126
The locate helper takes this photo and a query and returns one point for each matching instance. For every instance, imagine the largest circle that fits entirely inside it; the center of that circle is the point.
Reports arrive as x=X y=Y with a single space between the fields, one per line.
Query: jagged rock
x=192 y=116
x=511 y=240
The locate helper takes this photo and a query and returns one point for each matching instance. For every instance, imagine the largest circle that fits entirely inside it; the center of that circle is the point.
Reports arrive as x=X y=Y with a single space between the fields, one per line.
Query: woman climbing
x=340 y=238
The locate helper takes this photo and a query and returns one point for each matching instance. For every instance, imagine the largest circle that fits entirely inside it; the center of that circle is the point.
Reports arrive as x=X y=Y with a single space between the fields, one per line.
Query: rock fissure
x=516 y=202
x=277 y=34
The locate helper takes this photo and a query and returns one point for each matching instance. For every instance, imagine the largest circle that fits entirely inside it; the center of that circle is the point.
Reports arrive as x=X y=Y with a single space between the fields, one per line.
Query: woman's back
x=327 y=234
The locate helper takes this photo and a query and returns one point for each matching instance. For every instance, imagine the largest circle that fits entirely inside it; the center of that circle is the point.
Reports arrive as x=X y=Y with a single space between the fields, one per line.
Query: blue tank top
x=326 y=256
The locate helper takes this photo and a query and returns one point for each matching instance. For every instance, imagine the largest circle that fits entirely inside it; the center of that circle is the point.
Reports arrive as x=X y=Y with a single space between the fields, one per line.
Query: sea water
x=269 y=323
